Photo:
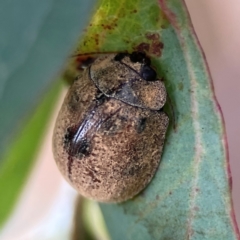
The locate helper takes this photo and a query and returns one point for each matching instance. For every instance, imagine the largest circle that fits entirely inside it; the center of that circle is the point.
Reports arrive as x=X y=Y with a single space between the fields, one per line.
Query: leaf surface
x=190 y=195
x=36 y=37
x=20 y=157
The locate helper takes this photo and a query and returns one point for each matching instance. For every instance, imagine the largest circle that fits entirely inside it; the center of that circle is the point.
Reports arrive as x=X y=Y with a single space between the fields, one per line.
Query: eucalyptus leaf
x=190 y=195
x=19 y=159
x=36 y=37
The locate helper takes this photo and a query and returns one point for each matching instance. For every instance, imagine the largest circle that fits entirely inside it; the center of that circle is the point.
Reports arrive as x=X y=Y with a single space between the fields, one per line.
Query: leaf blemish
x=143 y=47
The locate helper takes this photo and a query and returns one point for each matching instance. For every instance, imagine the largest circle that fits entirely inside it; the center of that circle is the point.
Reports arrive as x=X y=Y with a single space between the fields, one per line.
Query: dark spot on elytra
x=69 y=135
x=141 y=125
x=76 y=146
x=148 y=73
x=83 y=147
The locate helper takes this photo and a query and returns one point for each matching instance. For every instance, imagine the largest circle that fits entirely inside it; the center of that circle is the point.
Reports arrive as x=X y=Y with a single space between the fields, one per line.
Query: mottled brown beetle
x=109 y=134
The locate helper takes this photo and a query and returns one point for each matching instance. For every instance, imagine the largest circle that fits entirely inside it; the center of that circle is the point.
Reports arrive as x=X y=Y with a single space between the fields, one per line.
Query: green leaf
x=36 y=37
x=190 y=195
x=19 y=159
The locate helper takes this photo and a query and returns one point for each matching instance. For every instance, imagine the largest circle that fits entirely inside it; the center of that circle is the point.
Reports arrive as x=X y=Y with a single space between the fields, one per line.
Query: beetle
x=109 y=135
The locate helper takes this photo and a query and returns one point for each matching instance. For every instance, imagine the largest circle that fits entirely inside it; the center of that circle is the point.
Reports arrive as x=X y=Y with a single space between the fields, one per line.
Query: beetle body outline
x=109 y=134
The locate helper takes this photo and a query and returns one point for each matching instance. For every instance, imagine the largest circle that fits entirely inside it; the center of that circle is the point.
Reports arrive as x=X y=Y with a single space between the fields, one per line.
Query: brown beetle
x=109 y=134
